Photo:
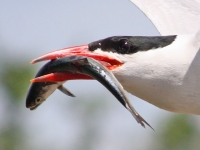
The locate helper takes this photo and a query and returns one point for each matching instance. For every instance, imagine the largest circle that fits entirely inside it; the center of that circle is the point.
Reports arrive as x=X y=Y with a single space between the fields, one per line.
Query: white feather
x=172 y=17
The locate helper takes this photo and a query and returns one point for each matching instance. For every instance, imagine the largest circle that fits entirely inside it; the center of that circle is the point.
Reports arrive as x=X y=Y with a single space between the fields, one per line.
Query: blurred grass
x=16 y=77
x=178 y=132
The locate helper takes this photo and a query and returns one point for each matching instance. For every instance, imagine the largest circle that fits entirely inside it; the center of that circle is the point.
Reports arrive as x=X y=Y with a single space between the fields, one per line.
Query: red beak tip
x=33 y=61
x=32 y=80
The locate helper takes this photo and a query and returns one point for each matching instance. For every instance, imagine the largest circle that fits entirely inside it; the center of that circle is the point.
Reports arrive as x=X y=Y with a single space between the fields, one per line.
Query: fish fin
x=65 y=91
x=137 y=116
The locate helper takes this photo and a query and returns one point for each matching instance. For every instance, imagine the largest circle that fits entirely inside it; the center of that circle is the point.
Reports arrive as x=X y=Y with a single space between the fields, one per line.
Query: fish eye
x=38 y=100
x=124 y=46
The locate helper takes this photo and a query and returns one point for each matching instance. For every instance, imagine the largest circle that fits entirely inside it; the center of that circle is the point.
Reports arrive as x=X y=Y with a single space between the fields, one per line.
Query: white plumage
x=172 y=16
x=167 y=77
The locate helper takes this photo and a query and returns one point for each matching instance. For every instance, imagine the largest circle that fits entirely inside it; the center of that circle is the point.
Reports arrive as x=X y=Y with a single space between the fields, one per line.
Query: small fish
x=91 y=67
x=40 y=91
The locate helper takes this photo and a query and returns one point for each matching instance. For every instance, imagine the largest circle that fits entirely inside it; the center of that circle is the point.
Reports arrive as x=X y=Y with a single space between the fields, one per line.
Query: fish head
x=39 y=92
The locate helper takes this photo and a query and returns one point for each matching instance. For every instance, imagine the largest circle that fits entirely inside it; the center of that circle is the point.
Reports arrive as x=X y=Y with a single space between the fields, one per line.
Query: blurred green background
x=94 y=119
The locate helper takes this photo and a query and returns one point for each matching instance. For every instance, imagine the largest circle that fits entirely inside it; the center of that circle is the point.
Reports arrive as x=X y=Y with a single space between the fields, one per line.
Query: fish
x=90 y=67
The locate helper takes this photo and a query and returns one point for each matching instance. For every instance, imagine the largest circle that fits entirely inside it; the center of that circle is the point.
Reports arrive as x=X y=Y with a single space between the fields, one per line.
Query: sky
x=32 y=28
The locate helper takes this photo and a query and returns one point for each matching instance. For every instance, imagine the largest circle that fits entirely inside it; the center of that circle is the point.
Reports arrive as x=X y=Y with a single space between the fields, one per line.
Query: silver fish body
x=91 y=67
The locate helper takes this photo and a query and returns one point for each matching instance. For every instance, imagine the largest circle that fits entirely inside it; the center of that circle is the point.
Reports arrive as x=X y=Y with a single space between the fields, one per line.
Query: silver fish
x=91 y=67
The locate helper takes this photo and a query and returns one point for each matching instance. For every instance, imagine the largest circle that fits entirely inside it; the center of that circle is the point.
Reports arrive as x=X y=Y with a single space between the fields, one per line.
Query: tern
x=162 y=70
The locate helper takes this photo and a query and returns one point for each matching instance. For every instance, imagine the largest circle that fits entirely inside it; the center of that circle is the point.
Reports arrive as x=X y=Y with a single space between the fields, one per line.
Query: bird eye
x=38 y=100
x=124 y=46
